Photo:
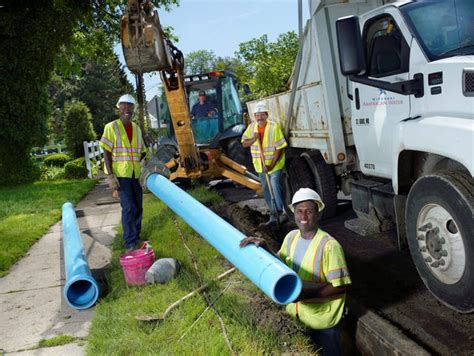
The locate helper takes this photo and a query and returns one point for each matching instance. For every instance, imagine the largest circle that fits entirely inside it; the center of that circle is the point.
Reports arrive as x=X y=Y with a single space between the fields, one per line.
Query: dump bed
x=321 y=111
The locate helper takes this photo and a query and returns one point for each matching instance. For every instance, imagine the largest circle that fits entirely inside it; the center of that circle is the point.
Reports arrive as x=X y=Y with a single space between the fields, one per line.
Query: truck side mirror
x=246 y=89
x=351 y=49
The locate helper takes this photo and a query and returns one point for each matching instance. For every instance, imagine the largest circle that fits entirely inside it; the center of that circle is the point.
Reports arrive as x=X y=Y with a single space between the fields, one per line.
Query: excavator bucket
x=144 y=45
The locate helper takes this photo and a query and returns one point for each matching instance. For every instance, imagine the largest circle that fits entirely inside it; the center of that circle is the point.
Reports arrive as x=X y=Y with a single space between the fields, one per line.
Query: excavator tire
x=239 y=154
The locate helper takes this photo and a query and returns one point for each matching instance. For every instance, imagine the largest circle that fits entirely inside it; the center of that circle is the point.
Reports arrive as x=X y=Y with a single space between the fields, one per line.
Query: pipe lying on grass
x=81 y=290
x=267 y=272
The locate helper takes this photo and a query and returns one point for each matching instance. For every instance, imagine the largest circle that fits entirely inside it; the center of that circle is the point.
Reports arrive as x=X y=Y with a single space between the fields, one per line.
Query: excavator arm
x=146 y=49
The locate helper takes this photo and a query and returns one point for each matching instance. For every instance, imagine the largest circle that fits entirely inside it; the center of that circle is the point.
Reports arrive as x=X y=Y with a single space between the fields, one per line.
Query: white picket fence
x=94 y=155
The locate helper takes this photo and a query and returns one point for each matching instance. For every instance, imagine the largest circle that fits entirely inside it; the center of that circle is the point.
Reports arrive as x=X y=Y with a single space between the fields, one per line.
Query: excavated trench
x=385 y=280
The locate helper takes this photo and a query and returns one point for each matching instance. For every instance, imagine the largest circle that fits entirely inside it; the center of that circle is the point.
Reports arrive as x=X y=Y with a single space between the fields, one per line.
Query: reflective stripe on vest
x=318 y=260
x=268 y=146
x=318 y=254
x=126 y=153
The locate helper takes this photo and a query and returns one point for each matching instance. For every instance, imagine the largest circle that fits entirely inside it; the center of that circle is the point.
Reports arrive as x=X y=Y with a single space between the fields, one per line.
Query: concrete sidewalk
x=32 y=307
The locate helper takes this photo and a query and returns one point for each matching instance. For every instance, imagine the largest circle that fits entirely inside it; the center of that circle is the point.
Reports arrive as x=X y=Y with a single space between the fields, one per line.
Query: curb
x=375 y=335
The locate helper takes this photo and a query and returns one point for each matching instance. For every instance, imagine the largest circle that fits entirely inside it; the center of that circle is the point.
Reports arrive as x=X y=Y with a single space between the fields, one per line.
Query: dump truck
x=381 y=107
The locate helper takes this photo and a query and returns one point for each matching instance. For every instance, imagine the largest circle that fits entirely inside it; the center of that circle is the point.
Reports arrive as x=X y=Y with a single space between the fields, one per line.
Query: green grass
x=27 y=211
x=252 y=323
x=58 y=341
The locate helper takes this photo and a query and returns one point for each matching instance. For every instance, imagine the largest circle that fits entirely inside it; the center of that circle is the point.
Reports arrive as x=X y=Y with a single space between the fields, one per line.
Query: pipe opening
x=287 y=289
x=82 y=294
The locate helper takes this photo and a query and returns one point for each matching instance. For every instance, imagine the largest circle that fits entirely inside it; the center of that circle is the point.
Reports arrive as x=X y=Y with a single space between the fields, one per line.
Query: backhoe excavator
x=146 y=49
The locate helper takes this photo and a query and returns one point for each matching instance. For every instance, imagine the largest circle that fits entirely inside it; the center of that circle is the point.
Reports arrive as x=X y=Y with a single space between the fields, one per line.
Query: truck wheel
x=324 y=181
x=294 y=176
x=287 y=192
x=440 y=230
x=239 y=154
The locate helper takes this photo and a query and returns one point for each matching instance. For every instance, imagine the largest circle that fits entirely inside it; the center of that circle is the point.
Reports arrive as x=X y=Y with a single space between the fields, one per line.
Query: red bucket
x=136 y=263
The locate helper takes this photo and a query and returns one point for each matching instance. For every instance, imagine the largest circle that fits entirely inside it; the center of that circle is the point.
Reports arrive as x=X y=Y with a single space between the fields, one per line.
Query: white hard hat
x=260 y=107
x=127 y=98
x=304 y=194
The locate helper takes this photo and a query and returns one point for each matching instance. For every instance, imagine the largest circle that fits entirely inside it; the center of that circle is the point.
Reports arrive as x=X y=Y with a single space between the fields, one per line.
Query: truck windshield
x=445 y=28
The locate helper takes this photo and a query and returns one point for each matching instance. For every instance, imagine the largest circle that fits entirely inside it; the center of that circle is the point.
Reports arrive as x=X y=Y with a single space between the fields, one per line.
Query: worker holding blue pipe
x=319 y=261
x=123 y=151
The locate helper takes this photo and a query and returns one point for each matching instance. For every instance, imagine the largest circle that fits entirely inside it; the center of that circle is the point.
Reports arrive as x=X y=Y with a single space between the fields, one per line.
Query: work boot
x=283 y=217
x=133 y=247
x=271 y=222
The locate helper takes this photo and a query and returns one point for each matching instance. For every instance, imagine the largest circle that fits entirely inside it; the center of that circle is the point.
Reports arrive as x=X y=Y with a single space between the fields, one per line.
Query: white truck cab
x=384 y=110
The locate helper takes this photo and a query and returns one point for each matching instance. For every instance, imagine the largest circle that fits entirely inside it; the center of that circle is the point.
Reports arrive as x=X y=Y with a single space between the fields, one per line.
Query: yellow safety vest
x=125 y=154
x=323 y=262
x=273 y=139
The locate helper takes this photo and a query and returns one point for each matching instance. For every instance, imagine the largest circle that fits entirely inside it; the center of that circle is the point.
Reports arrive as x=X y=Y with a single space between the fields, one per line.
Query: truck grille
x=468 y=82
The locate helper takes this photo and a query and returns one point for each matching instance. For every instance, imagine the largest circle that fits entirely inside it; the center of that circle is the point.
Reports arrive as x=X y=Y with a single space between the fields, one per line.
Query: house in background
x=158 y=112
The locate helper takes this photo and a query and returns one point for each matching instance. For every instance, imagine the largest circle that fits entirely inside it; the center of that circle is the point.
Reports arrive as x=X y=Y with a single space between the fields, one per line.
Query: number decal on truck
x=363 y=121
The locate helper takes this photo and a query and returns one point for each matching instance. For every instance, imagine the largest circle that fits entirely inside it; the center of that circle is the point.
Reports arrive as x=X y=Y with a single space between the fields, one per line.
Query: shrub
x=76 y=169
x=52 y=173
x=57 y=160
x=78 y=127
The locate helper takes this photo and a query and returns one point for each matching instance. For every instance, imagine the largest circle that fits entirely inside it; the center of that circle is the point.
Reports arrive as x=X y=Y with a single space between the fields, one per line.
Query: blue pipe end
x=281 y=285
x=287 y=289
x=81 y=292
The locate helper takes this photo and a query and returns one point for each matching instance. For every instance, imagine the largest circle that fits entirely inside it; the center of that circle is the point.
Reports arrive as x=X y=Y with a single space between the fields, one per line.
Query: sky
x=220 y=25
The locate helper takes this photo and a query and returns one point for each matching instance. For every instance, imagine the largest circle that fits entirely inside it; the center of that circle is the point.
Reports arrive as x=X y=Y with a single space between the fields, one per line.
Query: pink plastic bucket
x=136 y=263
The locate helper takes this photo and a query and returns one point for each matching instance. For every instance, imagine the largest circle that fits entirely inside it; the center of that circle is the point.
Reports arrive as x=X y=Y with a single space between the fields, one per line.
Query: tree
x=32 y=34
x=201 y=61
x=98 y=84
x=37 y=36
x=267 y=66
x=78 y=127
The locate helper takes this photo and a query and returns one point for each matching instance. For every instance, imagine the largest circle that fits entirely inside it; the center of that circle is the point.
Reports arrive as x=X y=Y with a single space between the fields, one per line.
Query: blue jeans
x=131 y=198
x=329 y=340
x=275 y=181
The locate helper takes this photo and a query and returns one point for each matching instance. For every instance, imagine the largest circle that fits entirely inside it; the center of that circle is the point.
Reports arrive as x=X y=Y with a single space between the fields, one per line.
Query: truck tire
x=440 y=231
x=294 y=176
x=287 y=192
x=324 y=181
x=240 y=154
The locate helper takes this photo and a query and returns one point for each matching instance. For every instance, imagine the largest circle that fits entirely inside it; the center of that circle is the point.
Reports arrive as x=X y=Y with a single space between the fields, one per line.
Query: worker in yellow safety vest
x=123 y=151
x=265 y=137
x=319 y=261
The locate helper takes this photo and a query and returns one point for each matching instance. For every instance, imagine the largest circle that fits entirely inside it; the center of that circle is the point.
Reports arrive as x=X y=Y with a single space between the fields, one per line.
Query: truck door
x=376 y=112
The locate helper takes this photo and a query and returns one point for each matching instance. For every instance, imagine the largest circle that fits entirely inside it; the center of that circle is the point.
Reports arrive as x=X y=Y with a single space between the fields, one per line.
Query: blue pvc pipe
x=81 y=290
x=267 y=272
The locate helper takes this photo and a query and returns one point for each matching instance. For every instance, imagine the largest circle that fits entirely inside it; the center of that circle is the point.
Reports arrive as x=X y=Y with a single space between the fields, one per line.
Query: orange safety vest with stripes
x=273 y=139
x=126 y=155
x=323 y=262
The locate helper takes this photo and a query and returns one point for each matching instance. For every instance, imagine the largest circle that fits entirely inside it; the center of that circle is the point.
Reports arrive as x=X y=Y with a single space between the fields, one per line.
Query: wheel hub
x=433 y=243
x=440 y=243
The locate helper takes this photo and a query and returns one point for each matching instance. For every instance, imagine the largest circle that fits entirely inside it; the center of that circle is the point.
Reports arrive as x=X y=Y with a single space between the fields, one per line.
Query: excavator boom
x=146 y=49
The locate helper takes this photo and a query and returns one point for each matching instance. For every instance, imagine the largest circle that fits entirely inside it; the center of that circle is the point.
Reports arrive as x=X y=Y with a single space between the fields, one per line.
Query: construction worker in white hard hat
x=124 y=149
x=266 y=141
x=319 y=261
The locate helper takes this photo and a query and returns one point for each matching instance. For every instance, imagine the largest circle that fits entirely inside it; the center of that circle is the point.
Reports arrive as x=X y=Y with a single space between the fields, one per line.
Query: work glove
x=113 y=182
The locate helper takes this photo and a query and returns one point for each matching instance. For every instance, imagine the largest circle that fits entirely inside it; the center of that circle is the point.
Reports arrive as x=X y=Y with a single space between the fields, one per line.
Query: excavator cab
x=224 y=121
